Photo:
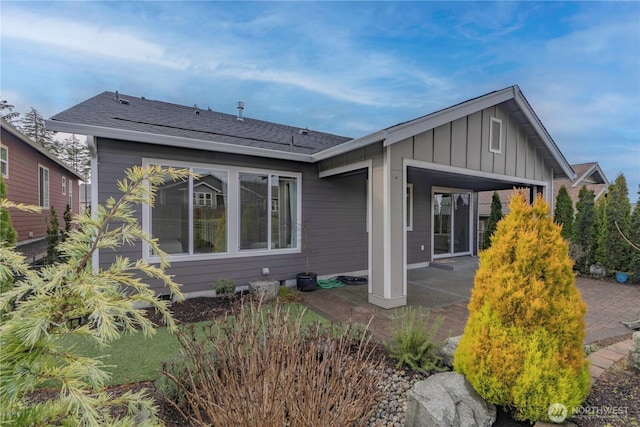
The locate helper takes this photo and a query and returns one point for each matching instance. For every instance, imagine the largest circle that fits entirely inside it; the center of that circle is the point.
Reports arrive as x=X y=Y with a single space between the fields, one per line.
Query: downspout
x=92 y=144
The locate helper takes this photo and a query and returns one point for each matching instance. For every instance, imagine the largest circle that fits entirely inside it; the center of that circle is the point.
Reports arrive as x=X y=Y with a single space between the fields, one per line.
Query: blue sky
x=345 y=68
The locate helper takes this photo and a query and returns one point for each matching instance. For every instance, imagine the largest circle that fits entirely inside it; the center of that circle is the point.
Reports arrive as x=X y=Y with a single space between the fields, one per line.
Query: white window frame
x=43 y=193
x=70 y=183
x=409 y=202
x=64 y=185
x=233 y=213
x=4 y=162
x=491 y=136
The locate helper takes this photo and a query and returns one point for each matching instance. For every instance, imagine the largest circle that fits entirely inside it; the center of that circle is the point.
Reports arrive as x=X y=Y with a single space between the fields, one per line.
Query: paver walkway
x=604 y=358
x=446 y=293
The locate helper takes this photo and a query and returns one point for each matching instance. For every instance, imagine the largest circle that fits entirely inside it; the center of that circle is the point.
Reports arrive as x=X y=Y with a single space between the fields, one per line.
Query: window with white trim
x=409 y=202
x=264 y=224
x=4 y=161
x=64 y=185
x=71 y=194
x=495 y=135
x=225 y=211
x=43 y=186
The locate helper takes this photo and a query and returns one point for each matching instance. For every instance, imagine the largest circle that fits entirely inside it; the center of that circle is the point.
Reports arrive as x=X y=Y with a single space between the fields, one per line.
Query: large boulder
x=634 y=353
x=265 y=290
x=447 y=400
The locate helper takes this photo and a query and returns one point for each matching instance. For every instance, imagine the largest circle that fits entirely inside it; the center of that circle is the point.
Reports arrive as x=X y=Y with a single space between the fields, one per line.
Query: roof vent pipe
x=240 y=108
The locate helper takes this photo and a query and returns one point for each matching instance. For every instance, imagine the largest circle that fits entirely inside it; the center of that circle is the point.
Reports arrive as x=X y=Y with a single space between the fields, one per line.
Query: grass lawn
x=136 y=358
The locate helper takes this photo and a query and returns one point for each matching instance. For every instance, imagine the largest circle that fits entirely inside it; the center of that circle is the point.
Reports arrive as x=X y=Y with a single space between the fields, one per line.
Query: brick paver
x=608 y=303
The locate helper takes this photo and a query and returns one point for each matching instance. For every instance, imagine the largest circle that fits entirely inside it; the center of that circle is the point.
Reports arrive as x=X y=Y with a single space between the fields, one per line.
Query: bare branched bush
x=262 y=367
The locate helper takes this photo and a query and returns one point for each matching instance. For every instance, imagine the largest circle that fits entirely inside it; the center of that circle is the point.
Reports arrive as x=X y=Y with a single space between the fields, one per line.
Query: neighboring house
x=586 y=174
x=34 y=176
x=273 y=196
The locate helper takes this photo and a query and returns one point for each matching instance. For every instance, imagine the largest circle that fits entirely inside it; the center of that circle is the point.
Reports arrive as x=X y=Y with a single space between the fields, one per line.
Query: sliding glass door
x=451 y=223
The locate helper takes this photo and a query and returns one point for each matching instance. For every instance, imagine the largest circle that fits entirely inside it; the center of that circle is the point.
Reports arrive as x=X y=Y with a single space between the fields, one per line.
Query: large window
x=226 y=211
x=43 y=187
x=197 y=227
x=268 y=211
x=4 y=161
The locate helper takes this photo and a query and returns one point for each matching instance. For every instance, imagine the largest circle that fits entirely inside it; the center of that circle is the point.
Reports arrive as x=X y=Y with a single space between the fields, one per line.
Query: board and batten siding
x=333 y=218
x=464 y=143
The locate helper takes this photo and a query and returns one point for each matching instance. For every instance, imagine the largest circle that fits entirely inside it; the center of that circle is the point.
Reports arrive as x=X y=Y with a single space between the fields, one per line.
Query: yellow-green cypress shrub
x=522 y=344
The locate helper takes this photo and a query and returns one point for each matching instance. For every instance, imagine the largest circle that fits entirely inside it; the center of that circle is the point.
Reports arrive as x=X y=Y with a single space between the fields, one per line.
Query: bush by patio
x=522 y=344
x=265 y=368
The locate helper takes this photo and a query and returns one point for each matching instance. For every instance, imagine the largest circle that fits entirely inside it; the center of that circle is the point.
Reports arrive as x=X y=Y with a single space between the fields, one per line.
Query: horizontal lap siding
x=421 y=218
x=334 y=218
x=22 y=187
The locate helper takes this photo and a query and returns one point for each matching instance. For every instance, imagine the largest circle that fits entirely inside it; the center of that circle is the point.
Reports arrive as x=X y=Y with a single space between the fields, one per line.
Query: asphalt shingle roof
x=119 y=111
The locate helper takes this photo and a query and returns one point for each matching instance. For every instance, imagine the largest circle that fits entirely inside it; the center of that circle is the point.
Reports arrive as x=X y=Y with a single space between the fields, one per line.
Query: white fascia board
x=174 y=141
x=544 y=135
x=421 y=164
x=365 y=164
x=351 y=145
x=431 y=121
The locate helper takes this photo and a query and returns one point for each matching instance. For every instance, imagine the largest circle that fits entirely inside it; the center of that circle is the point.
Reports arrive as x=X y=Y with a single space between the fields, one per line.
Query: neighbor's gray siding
x=333 y=211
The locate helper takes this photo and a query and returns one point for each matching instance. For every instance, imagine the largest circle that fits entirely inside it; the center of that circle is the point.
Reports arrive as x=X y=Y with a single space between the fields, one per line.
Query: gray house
x=275 y=196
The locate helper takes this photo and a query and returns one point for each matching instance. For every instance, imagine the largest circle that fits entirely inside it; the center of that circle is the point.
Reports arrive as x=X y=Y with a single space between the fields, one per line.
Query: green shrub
x=495 y=215
x=287 y=295
x=224 y=286
x=522 y=346
x=414 y=344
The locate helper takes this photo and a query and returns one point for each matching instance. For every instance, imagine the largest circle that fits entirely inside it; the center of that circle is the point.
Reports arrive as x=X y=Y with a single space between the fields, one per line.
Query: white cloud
x=82 y=39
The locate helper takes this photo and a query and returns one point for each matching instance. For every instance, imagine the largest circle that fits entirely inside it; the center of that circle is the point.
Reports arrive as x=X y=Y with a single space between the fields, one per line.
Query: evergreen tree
x=53 y=238
x=10 y=116
x=75 y=154
x=32 y=125
x=585 y=229
x=601 y=230
x=563 y=214
x=634 y=237
x=618 y=216
x=522 y=344
x=8 y=235
x=494 y=216
x=36 y=334
x=67 y=222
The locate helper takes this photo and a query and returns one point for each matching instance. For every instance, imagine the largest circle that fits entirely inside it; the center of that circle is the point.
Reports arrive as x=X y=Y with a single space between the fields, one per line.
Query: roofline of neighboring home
x=408 y=129
x=594 y=166
x=175 y=141
x=22 y=137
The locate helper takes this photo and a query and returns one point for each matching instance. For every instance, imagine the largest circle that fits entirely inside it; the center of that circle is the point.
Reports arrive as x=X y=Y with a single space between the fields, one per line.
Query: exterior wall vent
x=495 y=136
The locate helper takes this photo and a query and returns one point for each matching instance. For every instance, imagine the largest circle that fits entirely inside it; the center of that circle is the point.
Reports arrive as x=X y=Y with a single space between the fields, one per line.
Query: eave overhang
x=173 y=141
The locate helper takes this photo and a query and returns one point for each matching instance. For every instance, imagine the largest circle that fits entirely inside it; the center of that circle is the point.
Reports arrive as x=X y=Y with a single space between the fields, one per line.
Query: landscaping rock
x=598 y=270
x=264 y=289
x=634 y=324
x=447 y=399
x=634 y=353
x=449 y=349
